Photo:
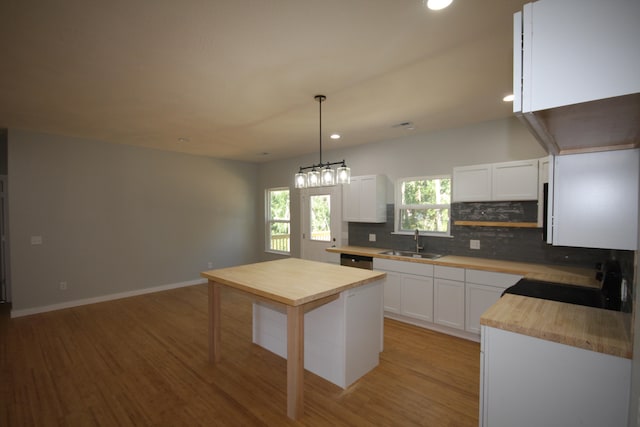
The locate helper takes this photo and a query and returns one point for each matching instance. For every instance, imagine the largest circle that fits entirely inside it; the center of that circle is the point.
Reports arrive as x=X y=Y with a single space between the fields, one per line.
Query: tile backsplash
x=505 y=243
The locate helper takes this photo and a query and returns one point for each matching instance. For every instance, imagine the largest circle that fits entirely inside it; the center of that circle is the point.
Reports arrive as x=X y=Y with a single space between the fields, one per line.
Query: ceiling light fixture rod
x=320 y=99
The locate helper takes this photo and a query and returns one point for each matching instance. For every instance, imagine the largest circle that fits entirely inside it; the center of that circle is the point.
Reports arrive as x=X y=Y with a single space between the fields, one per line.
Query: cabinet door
x=478 y=299
x=472 y=183
x=417 y=297
x=569 y=45
x=351 y=200
x=365 y=199
x=449 y=303
x=515 y=180
x=392 y=292
x=595 y=200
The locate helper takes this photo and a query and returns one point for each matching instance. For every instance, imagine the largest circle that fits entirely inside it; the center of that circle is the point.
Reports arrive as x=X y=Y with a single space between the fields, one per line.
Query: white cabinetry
x=576 y=51
x=595 y=199
x=472 y=183
x=575 y=70
x=449 y=296
x=517 y=180
x=408 y=288
x=365 y=199
x=342 y=339
x=530 y=382
x=483 y=289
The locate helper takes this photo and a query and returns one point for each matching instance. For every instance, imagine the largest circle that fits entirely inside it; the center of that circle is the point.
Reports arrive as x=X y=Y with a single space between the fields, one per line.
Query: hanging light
x=322 y=174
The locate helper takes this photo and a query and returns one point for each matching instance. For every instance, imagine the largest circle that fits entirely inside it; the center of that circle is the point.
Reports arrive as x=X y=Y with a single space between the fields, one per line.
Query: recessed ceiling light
x=335 y=136
x=438 y=4
x=508 y=98
x=182 y=140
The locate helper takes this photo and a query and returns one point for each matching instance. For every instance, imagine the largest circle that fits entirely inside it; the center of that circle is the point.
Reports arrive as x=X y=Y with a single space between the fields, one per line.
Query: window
x=278 y=220
x=320 y=217
x=423 y=203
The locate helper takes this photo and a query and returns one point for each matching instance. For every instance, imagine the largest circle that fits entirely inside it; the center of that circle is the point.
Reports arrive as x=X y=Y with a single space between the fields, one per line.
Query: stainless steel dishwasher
x=357 y=261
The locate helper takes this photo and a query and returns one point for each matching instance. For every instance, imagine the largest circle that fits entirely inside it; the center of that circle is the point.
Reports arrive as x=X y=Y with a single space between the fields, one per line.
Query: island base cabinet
x=530 y=382
x=342 y=339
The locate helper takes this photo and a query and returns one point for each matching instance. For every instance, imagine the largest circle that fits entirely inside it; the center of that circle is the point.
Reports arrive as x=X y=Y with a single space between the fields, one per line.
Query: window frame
x=269 y=221
x=399 y=206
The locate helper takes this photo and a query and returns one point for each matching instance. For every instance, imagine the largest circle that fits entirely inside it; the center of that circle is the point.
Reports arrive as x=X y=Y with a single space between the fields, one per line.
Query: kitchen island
x=294 y=287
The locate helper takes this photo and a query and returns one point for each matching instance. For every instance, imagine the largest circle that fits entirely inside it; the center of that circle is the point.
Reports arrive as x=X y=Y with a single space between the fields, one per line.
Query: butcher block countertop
x=548 y=273
x=292 y=281
x=595 y=329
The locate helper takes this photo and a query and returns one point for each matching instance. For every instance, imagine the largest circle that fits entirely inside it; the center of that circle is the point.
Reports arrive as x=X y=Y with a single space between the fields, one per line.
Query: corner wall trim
x=103 y=298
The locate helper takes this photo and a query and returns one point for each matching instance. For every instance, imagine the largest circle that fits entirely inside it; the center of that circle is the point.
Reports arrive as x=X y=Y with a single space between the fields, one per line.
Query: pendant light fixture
x=321 y=174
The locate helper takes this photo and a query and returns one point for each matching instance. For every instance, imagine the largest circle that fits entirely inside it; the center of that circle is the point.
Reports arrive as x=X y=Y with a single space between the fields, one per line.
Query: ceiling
x=237 y=78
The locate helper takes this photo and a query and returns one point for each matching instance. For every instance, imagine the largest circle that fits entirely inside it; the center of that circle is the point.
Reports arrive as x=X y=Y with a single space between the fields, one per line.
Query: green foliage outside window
x=424 y=204
x=278 y=219
x=320 y=217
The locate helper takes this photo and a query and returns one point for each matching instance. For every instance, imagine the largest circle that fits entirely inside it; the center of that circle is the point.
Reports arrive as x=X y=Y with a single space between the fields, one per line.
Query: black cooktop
x=571 y=294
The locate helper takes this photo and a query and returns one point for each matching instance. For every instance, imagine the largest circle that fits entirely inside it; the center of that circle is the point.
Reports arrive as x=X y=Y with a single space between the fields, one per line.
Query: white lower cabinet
x=448 y=296
x=417 y=297
x=449 y=303
x=342 y=339
x=483 y=289
x=408 y=288
x=479 y=299
x=531 y=382
x=392 y=292
x=447 y=299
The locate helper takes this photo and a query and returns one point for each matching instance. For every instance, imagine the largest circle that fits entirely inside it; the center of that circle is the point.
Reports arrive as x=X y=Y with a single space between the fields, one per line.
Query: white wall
x=116 y=218
x=411 y=155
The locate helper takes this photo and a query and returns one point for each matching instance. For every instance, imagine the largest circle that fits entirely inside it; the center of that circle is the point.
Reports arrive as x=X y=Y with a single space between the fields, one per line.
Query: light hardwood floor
x=142 y=361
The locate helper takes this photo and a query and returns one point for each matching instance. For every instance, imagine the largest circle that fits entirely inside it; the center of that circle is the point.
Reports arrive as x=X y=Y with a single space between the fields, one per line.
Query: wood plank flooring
x=143 y=361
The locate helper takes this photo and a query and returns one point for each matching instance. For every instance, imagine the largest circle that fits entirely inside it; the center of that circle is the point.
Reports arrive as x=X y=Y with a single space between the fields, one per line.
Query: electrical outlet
x=372 y=237
x=36 y=240
x=63 y=286
x=474 y=244
x=209 y=264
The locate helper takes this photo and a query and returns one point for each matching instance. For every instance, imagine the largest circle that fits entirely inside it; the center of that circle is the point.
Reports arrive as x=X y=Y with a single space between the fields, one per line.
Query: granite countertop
x=595 y=329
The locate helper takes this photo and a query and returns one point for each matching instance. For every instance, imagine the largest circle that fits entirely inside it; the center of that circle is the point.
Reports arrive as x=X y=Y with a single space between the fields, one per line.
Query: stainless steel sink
x=410 y=254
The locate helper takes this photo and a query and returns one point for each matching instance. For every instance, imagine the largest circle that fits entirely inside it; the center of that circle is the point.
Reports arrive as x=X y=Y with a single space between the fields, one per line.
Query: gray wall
x=117 y=218
x=410 y=155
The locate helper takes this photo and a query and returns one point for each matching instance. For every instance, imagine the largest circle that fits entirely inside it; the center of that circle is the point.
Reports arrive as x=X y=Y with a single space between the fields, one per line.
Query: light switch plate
x=36 y=240
x=372 y=237
x=474 y=244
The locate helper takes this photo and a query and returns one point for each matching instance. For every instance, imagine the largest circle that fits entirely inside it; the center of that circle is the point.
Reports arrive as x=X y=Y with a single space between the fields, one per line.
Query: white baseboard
x=103 y=298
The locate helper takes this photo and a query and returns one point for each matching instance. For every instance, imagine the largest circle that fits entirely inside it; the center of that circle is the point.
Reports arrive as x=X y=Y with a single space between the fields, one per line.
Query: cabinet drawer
x=403 y=266
x=451 y=273
x=490 y=278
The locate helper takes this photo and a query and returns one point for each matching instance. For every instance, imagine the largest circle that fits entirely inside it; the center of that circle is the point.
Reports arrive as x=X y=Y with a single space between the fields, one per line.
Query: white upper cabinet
x=365 y=199
x=516 y=180
x=595 y=200
x=472 y=183
x=575 y=69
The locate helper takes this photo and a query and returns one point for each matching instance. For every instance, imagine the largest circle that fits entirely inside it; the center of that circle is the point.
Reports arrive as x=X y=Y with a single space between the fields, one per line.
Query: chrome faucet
x=416 y=237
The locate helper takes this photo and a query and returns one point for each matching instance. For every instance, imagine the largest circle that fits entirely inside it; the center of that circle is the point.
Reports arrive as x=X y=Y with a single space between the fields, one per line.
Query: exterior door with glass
x=321 y=221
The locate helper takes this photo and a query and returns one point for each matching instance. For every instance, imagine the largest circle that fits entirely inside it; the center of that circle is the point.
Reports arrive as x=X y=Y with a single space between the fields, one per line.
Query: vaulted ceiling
x=236 y=79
